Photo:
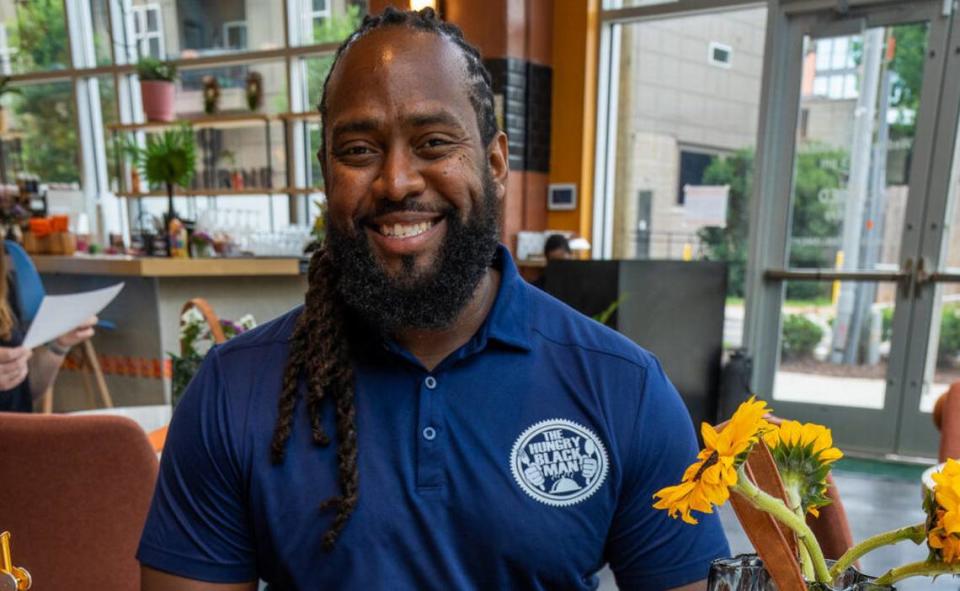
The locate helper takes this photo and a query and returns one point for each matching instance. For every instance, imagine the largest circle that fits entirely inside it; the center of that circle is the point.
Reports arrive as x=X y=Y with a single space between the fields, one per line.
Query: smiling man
x=427 y=420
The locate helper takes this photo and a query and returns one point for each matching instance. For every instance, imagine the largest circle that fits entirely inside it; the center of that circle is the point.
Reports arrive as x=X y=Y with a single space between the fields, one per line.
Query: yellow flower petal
x=706 y=483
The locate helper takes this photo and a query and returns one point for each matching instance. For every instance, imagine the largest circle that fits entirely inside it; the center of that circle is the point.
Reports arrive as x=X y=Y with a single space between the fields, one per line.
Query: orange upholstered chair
x=946 y=417
x=74 y=492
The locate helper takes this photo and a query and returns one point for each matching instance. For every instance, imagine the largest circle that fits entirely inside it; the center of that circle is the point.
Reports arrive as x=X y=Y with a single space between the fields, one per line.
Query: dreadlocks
x=319 y=350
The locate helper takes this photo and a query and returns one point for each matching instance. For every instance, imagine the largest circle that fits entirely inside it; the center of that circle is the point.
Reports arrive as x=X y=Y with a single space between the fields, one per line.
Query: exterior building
x=689 y=90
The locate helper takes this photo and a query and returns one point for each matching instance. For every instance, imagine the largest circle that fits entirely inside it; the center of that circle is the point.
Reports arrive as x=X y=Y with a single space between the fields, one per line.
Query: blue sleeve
x=646 y=548
x=197 y=527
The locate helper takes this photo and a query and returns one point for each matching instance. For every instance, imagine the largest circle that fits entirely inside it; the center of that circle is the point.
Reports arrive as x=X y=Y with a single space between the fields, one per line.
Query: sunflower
x=943 y=513
x=804 y=454
x=707 y=481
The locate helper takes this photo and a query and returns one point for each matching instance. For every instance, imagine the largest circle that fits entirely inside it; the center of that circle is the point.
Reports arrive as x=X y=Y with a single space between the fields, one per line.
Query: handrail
x=830 y=275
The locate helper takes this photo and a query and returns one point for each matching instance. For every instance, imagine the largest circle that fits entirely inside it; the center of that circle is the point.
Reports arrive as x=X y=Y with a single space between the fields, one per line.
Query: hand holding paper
x=63 y=313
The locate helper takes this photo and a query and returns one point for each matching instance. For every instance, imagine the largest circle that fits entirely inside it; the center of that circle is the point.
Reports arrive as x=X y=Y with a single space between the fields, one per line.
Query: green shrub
x=949 y=332
x=886 y=318
x=800 y=336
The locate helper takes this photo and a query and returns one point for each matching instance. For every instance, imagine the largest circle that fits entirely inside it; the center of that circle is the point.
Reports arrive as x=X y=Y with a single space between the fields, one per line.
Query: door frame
x=867 y=431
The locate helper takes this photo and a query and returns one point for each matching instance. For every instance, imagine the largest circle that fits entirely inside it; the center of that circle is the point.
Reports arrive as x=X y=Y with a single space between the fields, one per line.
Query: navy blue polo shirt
x=527 y=459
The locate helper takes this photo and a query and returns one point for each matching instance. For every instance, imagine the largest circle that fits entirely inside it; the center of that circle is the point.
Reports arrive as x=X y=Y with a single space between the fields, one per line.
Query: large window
x=148 y=31
x=61 y=125
x=684 y=101
x=34 y=36
x=44 y=137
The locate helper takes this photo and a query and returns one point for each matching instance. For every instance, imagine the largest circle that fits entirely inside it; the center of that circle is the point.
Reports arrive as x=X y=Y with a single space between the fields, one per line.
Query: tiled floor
x=874 y=504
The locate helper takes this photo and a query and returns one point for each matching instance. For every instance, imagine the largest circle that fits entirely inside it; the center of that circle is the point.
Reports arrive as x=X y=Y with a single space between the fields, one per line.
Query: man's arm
x=155 y=580
x=647 y=549
x=198 y=527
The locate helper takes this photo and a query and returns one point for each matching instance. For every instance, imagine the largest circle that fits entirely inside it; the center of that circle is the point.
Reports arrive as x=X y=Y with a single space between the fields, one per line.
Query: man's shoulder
x=257 y=341
x=556 y=324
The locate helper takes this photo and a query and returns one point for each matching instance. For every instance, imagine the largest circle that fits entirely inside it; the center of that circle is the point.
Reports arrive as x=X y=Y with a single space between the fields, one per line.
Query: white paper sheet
x=62 y=313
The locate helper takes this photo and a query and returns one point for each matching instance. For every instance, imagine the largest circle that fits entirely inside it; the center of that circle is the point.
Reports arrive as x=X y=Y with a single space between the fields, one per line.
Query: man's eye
x=355 y=151
x=435 y=147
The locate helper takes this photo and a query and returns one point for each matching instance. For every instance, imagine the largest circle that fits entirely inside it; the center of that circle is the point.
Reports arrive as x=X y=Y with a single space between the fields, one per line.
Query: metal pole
x=857 y=186
x=873 y=220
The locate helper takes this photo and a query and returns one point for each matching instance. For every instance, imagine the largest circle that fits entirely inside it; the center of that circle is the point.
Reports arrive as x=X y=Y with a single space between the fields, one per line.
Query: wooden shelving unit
x=221 y=121
x=307 y=116
x=209 y=161
x=254 y=191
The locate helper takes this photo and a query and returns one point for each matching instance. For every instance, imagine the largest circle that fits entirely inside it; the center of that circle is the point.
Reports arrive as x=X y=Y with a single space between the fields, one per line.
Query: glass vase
x=740 y=573
x=746 y=573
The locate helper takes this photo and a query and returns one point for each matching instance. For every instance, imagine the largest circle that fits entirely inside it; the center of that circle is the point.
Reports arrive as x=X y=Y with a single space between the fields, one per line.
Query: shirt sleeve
x=646 y=548
x=197 y=527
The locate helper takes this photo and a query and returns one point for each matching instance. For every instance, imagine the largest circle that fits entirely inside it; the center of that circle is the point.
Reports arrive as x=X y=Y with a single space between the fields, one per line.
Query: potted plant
x=168 y=159
x=197 y=335
x=156 y=88
x=5 y=88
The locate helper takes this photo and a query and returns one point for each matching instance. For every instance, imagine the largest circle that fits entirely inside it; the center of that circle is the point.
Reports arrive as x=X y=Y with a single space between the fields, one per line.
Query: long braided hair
x=319 y=348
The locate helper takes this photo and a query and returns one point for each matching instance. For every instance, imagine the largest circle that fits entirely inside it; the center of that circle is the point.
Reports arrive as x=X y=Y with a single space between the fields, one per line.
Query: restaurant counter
x=135 y=356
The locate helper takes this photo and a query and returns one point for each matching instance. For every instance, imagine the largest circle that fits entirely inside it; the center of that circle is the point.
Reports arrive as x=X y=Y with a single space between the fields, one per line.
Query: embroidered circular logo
x=559 y=462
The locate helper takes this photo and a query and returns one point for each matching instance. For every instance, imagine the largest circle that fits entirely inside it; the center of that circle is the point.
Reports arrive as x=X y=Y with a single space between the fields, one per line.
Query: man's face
x=411 y=187
x=558 y=254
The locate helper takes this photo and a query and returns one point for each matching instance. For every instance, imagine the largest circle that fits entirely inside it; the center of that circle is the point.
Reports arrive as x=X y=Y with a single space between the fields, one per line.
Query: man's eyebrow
x=437 y=118
x=355 y=126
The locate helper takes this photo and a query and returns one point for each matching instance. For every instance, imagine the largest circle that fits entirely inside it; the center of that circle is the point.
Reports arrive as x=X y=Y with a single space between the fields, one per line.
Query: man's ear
x=499 y=161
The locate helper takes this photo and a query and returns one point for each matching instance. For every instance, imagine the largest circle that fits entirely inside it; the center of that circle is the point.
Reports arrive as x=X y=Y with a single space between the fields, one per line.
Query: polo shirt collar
x=508 y=321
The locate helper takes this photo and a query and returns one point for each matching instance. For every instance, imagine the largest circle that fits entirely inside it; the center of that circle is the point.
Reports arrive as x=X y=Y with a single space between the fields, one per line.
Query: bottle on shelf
x=177 y=238
x=134 y=180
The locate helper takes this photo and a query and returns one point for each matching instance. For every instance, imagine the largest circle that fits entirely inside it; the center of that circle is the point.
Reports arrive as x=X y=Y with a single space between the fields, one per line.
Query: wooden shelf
x=80 y=264
x=307 y=116
x=302 y=190
x=222 y=121
x=224 y=192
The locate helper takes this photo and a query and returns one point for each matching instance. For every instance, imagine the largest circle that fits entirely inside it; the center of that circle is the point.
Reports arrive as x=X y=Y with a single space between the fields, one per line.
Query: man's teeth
x=405 y=230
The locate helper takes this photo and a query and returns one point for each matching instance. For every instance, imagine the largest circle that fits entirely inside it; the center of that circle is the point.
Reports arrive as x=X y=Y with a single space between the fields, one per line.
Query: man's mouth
x=398 y=230
x=407 y=232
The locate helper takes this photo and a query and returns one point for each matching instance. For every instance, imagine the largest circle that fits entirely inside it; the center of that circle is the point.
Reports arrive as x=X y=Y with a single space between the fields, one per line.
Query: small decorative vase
x=211 y=95
x=254 y=90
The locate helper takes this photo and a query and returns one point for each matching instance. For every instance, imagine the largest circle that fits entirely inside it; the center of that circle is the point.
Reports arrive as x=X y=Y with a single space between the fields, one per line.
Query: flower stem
x=793 y=502
x=925 y=568
x=915 y=533
x=780 y=512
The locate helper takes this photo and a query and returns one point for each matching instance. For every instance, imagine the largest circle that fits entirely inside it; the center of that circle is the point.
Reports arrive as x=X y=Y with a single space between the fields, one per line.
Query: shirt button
x=430 y=382
x=429 y=433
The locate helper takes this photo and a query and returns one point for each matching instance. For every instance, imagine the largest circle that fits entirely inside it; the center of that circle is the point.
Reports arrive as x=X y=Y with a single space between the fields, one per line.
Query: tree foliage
x=45 y=112
x=818 y=170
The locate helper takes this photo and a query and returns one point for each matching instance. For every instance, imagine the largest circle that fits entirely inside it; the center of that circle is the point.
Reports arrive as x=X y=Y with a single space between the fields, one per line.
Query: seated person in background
x=556 y=248
x=26 y=374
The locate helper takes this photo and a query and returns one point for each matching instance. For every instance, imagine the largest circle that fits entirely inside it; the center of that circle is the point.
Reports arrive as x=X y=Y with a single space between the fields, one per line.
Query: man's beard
x=418 y=299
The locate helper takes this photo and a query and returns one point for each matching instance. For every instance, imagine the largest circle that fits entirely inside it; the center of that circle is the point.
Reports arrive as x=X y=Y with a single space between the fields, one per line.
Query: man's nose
x=399 y=178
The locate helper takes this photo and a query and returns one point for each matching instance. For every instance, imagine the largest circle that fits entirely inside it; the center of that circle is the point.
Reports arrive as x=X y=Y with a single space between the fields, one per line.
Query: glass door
x=848 y=132
x=933 y=363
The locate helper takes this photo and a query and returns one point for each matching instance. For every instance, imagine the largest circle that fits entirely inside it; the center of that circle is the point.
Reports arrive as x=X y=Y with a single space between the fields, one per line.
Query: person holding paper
x=26 y=374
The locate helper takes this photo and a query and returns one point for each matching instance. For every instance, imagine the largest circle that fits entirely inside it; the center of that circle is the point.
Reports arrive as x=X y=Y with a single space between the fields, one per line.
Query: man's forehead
x=400 y=67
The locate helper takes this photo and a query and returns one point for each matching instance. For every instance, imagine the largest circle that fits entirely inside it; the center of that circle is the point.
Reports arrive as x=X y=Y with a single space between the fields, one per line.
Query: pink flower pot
x=157 y=96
